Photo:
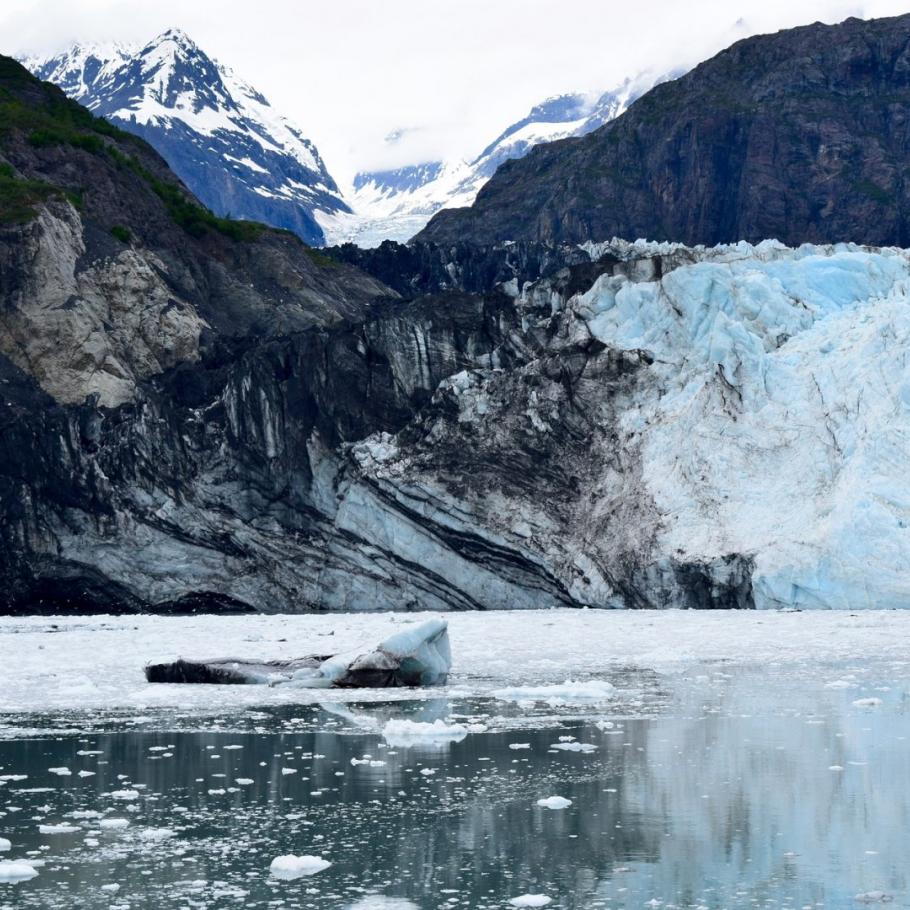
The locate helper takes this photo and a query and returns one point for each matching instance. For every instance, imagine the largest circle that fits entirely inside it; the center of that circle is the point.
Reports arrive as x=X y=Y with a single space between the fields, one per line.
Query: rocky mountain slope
x=801 y=135
x=395 y=204
x=202 y=413
x=218 y=134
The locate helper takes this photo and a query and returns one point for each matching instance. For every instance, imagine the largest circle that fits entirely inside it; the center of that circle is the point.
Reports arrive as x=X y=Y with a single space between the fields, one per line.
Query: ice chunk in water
x=419 y=656
x=555 y=802
x=16 y=870
x=289 y=867
x=404 y=733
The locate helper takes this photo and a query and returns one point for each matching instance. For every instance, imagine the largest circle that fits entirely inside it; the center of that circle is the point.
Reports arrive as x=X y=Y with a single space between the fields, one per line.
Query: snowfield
x=557 y=656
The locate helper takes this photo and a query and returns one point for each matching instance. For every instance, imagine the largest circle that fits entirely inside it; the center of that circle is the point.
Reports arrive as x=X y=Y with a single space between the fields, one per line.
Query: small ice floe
x=5 y=845
x=530 y=900
x=555 y=802
x=16 y=870
x=114 y=823
x=417 y=656
x=867 y=702
x=566 y=693
x=574 y=747
x=835 y=767
x=519 y=746
x=244 y=781
x=86 y=773
x=841 y=684
x=60 y=772
x=112 y=888
x=404 y=733
x=381 y=902
x=157 y=834
x=126 y=795
x=290 y=867
x=58 y=829
x=427 y=772
x=605 y=725
x=874 y=897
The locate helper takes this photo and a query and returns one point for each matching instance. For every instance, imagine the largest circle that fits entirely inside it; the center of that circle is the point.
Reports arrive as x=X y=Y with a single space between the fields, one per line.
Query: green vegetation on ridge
x=48 y=118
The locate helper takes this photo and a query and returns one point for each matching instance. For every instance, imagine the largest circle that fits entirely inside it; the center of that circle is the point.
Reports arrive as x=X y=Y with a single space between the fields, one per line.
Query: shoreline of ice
x=96 y=662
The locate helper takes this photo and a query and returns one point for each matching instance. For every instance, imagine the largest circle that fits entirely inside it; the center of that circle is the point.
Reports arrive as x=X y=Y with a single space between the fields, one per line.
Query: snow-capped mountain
x=217 y=132
x=242 y=159
x=396 y=204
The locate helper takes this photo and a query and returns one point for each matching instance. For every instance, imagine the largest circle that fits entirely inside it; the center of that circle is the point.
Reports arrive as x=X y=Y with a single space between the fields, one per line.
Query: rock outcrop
x=801 y=136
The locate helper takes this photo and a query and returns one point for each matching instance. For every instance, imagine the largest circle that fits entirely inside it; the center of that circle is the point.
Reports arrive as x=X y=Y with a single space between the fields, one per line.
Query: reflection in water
x=776 y=806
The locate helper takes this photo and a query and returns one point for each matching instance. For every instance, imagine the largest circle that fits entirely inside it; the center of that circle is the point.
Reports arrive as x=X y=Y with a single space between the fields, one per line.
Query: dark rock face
x=425 y=268
x=198 y=414
x=800 y=136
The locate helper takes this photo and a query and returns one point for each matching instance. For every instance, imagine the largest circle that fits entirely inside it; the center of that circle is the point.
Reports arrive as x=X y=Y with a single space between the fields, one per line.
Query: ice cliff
x=647 y=425
x=720 y=427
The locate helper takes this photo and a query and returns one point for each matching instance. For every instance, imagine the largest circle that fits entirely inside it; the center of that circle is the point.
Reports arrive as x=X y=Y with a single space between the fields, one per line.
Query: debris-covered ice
x=419 y=656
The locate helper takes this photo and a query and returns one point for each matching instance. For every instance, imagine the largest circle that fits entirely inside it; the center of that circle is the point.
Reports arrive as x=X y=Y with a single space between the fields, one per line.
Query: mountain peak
x=177 y=37
x=217 y=132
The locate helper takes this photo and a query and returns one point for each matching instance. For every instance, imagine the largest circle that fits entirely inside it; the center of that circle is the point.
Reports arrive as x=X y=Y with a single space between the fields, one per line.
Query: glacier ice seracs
x=781 y=429
x=748 y=432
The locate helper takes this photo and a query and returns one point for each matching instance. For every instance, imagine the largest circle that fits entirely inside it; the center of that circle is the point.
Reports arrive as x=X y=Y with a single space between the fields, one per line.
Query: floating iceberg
x=419 y=656
x=570 y=691
x=405 y=733
x=16 y=870
x=291 y=867
x=554 y=802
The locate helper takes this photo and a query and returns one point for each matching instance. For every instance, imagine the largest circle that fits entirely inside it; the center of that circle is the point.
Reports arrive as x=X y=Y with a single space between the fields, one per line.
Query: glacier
x=757 y=459
x=782 y=426
x=396 y=203
x=621 y=424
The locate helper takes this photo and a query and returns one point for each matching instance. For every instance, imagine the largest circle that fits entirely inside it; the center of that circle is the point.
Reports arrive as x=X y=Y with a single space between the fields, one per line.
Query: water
x=741 y=791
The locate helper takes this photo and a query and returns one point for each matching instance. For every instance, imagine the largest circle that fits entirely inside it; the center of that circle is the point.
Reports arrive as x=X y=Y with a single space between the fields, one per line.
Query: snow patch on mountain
x=221 y=136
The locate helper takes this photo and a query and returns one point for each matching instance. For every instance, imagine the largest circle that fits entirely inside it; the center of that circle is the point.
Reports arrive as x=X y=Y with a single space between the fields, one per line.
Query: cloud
x=451 y=75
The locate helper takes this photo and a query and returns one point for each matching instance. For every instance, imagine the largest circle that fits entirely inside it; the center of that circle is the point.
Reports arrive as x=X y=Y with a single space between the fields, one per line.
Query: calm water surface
x=747 y=799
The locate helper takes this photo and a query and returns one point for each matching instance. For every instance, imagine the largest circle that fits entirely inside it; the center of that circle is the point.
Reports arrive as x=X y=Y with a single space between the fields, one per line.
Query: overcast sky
x=451 y=74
